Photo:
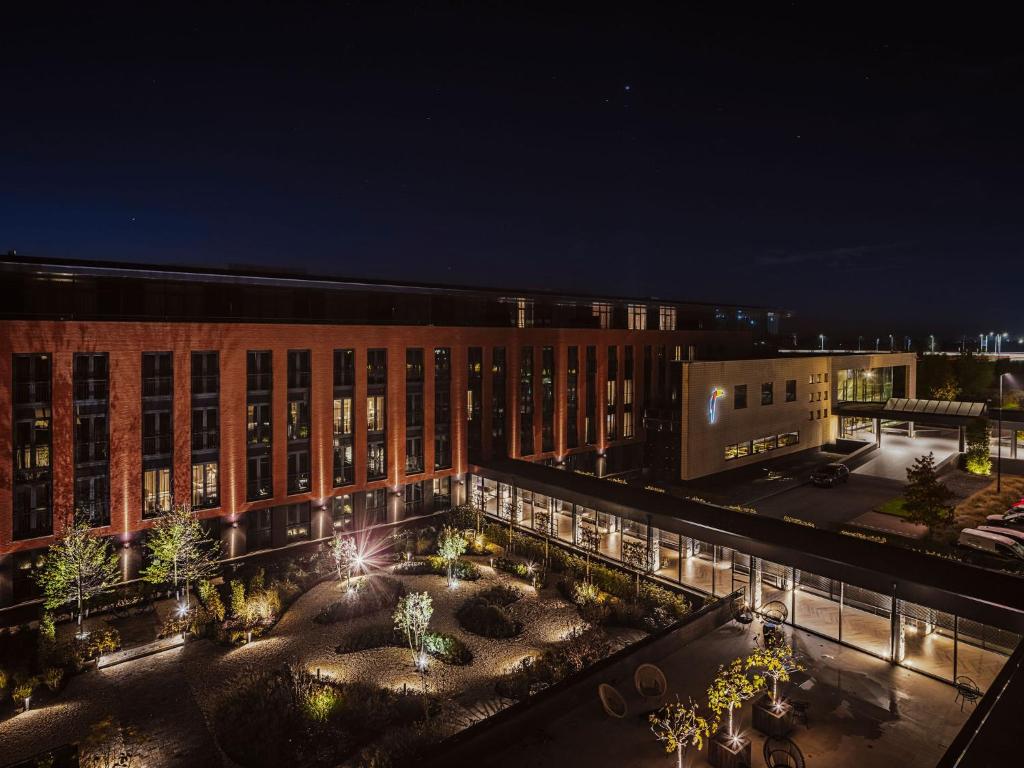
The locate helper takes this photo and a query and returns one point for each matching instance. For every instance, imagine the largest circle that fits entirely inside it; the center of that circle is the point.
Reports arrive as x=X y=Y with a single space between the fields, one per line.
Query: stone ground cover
x=174 y=698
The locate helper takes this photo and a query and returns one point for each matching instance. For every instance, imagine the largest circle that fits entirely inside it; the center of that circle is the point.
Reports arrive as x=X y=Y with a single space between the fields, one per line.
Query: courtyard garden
x=364 y=652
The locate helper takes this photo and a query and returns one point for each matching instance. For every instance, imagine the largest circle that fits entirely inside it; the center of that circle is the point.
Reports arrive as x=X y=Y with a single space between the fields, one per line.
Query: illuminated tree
x=451 y=545
x=514 y=511
x=637 y=556
x=978 y=458
x=730 y=688
x=926 y=500
x=412 y=616
x=346 y=555
x=679 y=726
x=589 y=540
x=79 y=565
x=777 y=663
x=180 y=550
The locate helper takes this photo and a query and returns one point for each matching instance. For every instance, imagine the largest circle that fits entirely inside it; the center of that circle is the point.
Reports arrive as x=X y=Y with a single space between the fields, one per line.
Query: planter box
x=771 y=721
x=723 y=752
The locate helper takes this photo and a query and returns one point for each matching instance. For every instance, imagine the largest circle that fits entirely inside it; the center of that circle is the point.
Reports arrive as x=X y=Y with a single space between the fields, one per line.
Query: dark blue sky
x=863 y=171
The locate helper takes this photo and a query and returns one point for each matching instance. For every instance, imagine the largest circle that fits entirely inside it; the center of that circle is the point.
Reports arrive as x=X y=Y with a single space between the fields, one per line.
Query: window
x=344 y=466
x=414 y=365
x=260 y=482
x=91 y=376
x=767 y=393
x=810 y=416
x=414 y=409
x=524 y=313
x=299 y=370
x=260 y=529
x=344 y=368
x=259 y=371
x=376 y=367
x=636 y=317
x=205 y=373
x=258 y=431
x=526 y=401
x=603 y=313
x=763 y=444
x=442 y=493
x=297 y=522
x=413 y=454
x=826 y=413
x=156 y=492
x=737 y=450
x=791 y=390
x=442 y=407
x=375 y=413
x=91 y=499
x=413 y=494
x=204 y=485
x=204 y=428
x=572 y=392
x=156 y=433
x=377 y=507
x=157 y=379
x=342 y=416
x=547 y=398
x=627 y=425
x=90 y=438
x=376 y=460
x=666 y=318
x=739 y=397
x=498 y=394
x=788 y=438
x=298 y=471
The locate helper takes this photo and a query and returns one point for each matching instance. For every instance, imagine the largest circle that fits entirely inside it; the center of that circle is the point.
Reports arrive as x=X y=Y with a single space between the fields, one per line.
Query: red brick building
x=283 y=407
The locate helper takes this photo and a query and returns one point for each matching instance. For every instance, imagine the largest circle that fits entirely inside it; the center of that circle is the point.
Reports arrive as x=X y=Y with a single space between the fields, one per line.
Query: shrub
x=585 y=593
x=3 y=679
x=210 y=598
x=373 y=594
x=487 y=619
x=446 y=648
x=23 y=689
x=53 y=677
x=463 y=570
x=580 y=650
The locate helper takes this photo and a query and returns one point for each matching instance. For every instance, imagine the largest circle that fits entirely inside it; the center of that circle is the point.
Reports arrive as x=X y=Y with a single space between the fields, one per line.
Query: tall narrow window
x=343 y=421
x=205 y=430
x=474 y=397
x=627 y=393
x=499 y=393
x=259 y=427
x=611 y=403
x=157 y=432
x=572 y=398
x=376 y=438
x=590 y=416
x=299 y=420
x=666 y=318
x=413 y=411
x=92 y=471
x=526 y=401
x=442 y=408
x=547 y=398
x=32 y=443
x=636 y=317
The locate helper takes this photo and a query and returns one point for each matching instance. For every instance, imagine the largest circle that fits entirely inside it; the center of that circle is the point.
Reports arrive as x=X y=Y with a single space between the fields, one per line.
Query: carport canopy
x=946 y=413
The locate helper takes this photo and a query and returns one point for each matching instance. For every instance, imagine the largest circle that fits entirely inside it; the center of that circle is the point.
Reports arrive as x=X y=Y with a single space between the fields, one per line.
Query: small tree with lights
x=180 y=551
x=78 y=566
x=679 y=726
x=346 y=555
x=926 y=500
x=589 y=541
x=412 y=616
x=451 y=545
x=776 y=662
x=514 y=511
x=636 y=555
x=542 y=522
x=730 y=688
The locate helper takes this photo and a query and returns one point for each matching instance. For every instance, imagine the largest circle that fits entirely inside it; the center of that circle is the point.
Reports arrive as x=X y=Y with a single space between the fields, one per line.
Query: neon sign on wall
x=717 y=393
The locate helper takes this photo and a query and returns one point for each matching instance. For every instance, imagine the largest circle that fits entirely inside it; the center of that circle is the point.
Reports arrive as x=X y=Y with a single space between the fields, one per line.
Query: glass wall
x=924 y=639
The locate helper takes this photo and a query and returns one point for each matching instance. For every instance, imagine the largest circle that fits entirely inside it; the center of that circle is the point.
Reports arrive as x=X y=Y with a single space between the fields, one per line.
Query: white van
x=995 y=550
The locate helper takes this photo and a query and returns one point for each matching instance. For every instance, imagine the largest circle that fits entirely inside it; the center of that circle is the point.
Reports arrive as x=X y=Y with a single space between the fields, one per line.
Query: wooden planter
x=723 y=752
x=771 y=721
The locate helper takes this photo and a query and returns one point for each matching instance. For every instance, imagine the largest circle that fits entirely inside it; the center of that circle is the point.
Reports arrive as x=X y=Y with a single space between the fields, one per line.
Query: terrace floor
x=863 y=711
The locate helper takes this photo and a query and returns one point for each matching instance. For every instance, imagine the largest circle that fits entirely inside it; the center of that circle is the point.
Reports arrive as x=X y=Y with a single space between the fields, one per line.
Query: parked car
x=993 y=550
x=830 y=474
x=1012 y=518
x=1011 y=533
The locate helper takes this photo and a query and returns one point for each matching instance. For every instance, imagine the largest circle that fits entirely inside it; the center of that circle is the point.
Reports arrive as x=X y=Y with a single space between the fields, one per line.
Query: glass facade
x=874 y=385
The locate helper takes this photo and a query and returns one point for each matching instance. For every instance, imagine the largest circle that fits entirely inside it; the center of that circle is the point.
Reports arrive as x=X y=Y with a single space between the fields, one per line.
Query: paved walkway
x=899 y=451
x=863 y=712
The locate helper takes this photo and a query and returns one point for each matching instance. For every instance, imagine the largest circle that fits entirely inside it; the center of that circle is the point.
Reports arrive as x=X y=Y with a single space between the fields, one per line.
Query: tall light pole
x=821 y=336
x=860 y=340
x=999 y=438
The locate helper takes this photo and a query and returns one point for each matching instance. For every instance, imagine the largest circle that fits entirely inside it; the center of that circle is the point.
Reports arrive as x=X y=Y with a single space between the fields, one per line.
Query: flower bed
x=446 y=648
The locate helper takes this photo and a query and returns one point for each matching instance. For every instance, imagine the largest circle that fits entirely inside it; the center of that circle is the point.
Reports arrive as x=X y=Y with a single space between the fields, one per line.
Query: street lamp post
x=999 y=439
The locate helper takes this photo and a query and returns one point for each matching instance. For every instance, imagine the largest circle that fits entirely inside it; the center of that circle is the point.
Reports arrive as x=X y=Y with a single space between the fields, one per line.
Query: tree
x=346 y=555
x=776 y=663
x=925 y=499
x=451 y=545
x=679 y=726
x=637 y=555
x=412 y=616
x=542 y=521
x=947 y=390
x=514 y=510
x=180 y=550
x=589 y=540
x=78 y=566
x=975 y=375
x=978 y=459
x=730 y=688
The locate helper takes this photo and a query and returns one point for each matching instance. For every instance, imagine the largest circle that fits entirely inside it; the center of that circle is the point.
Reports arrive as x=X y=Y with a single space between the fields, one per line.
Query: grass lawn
x=972 y=510
x=894 y=507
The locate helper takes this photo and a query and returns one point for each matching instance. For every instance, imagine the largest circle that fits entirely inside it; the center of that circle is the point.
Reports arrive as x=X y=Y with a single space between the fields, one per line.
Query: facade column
x=878 y=432
x=910 y=429
x=653 y=545
x=963 y=438
x=755 y=582
x=898 y=631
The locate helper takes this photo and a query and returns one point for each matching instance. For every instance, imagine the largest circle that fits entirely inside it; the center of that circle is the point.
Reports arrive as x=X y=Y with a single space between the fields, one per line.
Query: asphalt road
x=831 y=506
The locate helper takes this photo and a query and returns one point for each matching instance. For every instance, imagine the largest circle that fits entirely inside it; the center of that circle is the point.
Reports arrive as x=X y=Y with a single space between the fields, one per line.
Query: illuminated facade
x=283 y=408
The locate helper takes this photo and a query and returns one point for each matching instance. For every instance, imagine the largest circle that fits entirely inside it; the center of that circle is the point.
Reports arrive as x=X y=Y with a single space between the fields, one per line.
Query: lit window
x=524 y=313
x=667 y=318
x=375 y=413
x=156 y=492
x=636 y=317
x=603 y=312
x=343 y=416
x=627 y=425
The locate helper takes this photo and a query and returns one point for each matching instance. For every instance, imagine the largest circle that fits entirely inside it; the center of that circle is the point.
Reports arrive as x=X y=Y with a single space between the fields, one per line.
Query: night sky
x=864 y=171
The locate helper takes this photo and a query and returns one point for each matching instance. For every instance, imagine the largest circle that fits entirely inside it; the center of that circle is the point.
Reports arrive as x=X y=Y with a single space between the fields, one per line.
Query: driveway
x=899 y=451
x=829 y=507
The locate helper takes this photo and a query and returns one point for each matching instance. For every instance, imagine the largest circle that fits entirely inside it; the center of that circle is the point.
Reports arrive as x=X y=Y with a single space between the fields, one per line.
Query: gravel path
x=171 y=697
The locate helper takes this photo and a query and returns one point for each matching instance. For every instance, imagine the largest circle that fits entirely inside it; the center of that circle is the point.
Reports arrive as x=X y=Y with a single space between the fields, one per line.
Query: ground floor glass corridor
x=936 y=643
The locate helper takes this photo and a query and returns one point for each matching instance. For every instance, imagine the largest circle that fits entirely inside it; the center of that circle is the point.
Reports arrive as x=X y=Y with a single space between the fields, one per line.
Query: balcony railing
x=157 y=445
x=96 y=512
x=205 y=440
x=298 y=431
x=205 y=385
x=91 y=389
x=413 y=465
x=259 y=382
x=261 y=488
x=31 y=392
x=90 y=451
x=299 y=380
